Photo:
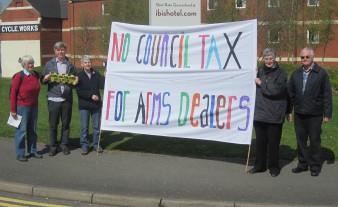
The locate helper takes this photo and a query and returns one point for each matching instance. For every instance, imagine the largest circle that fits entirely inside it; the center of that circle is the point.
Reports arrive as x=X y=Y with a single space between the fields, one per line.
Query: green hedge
x=332 y=71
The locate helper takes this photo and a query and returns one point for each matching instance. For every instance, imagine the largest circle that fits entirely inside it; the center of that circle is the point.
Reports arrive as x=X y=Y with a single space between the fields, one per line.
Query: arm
x=72 y=71
x=274 y=87
x=81 y=90
x=45 y=74
x=14 y=93
x=101 y=81
x=327 y=99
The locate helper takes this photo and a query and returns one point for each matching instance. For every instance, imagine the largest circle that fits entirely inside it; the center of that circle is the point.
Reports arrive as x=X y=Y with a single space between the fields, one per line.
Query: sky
x=4 y=4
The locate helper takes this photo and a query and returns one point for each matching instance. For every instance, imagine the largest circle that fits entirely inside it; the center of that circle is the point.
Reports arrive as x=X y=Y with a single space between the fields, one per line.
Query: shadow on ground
x=193 y=148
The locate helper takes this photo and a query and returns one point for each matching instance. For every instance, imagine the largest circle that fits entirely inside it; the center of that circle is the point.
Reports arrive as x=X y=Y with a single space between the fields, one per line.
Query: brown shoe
x=36 y=155
x=65 y=150
x=298 y=170
x=99 y=150
x=22 y=158
x=52 y=151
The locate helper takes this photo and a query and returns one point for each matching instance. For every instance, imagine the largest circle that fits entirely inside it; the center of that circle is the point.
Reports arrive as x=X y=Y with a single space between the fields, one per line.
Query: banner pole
x=247 y=160
x=98 y=144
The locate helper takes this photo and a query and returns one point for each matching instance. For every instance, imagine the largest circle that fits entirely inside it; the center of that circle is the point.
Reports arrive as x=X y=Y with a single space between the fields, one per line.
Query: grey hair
x=269 y=52
x=85 y=57
x=59 y=45
x=25 y=60
x=312 y=53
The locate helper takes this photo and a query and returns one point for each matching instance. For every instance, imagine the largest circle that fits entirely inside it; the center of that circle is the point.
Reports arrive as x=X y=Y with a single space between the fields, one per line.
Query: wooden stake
x=98 y=144
x=247 y=161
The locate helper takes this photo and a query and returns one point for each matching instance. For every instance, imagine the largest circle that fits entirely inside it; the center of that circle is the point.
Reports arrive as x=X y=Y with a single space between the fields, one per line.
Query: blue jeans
x=27 y=128
x=84 y=137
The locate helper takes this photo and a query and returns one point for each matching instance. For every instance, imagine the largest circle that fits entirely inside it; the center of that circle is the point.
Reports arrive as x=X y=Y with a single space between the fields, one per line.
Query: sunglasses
x=303 y=57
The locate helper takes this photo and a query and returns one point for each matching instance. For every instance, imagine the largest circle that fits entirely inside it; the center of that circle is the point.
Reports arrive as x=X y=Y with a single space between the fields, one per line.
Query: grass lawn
x=166 y=145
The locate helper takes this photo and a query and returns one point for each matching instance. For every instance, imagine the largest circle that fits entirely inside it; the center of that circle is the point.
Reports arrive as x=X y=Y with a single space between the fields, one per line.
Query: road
x=20 y=200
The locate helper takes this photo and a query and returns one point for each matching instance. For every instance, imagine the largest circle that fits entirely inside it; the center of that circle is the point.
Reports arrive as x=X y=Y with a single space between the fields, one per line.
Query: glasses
x=303 y=57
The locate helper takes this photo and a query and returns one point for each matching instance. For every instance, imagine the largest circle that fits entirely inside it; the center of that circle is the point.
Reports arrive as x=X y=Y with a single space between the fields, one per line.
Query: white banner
x=186 y=82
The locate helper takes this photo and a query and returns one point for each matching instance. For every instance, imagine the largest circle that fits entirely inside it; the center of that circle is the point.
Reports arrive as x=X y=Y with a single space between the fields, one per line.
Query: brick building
x=301 y=23
x=33 y=26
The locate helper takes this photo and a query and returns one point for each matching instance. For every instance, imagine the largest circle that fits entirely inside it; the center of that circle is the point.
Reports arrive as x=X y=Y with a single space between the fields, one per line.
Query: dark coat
x=271 y=104
x=86 y=88
x=317 y=97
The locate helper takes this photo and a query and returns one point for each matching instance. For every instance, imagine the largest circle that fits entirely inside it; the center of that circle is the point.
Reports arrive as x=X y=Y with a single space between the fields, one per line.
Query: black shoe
x=65 y=150
x=314 y=173
x=84 y=151
x=298 y=170
x=36 y=155
x=274 y=173
x=255 y=170
x=22 y=158
x=52 y=151
x=99 y=150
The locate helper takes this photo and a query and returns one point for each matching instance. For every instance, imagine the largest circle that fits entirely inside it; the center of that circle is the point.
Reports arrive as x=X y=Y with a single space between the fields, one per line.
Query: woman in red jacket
x=24 y=102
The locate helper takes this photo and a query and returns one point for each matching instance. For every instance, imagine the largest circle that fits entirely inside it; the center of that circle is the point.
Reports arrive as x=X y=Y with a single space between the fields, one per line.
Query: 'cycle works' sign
x=20 y=28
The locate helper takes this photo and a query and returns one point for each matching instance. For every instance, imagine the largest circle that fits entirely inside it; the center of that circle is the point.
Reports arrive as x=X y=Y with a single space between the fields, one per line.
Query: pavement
x=119 y=178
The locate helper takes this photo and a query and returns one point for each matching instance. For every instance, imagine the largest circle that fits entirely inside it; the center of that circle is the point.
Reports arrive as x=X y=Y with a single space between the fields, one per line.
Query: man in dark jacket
x=90 y=103
x=311 y=98
x=60 y=97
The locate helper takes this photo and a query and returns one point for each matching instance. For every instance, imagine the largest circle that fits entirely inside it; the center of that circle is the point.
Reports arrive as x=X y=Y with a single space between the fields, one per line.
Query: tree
x=326 y=15
x=127 y=11
x=86 y=34
x=223 y=12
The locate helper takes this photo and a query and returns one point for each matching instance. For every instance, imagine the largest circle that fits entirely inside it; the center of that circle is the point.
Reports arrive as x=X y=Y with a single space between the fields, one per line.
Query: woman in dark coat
x=270 y=111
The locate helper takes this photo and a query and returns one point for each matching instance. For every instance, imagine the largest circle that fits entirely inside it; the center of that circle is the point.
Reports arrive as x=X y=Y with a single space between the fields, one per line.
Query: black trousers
x=308 y=127
x=268 y=136
x=57 y=110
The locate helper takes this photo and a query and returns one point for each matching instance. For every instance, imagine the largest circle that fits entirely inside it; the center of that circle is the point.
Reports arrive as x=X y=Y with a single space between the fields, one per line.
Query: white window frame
x=104 y=6
x=273 y=5
x=309 y=3
x=269 y=37
x=208 y=5
x=315 y=37
x=243 y=4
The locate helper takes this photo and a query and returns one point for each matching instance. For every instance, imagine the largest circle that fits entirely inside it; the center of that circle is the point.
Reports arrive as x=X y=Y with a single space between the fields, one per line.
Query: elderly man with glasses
x=311 y=98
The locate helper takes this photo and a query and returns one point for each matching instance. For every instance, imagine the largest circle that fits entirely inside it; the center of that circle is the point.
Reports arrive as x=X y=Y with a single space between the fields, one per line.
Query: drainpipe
x=73 y=31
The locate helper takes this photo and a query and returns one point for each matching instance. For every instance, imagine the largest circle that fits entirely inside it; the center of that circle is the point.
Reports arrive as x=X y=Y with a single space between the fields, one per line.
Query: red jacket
x=25 y=95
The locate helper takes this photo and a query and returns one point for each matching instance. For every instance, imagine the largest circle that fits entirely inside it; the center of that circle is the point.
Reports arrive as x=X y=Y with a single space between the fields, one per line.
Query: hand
x=46 y=78
x=289 y=117
x=258 y=81
x=104 y=73
x=326 y=120
x=13 y=114
x=76 y=81
x=95 y=98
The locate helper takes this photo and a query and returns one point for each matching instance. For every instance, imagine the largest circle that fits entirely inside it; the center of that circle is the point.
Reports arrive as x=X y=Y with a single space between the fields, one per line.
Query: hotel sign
x=20 y=28
x=174 y=12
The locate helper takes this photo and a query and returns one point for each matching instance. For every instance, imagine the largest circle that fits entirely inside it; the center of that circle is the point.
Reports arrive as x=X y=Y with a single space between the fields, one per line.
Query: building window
x=212 y=4
x=313 y=36
x=240 y=4
x=105 y=8
x=273 y=3
x=273 y=36
x=313 y=2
